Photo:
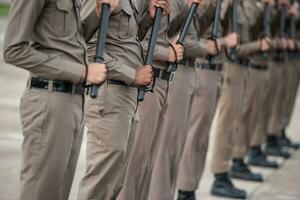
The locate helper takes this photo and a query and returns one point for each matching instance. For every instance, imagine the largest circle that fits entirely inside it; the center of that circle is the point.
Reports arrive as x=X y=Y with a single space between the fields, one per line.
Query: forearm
x=247 y=49
x=194 y=49
x=19 y=49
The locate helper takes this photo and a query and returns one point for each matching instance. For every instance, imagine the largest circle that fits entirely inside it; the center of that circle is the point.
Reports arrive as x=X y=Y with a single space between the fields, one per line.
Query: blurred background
x=282 y=184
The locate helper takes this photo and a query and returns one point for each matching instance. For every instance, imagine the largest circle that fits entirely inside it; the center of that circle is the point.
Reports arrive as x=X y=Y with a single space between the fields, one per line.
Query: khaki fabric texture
x=173 y=135
x=230 y=109
x=152 y=114
x=251 y=116
x=201 y=114
x=45 y=38
x=163 y=181
x=121 y=37
x=284 y=94
x=267 y=106
x=263 y=91
x=52 y=126
x=111 y=119
x=292 y=90
x=277 y=81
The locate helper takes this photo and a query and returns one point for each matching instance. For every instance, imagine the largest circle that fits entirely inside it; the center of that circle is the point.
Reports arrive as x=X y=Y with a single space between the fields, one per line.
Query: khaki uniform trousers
x=52 y=124
x=284 y=94
x=277 y=81
x=263 y=90
x=229 y=118
x=267 y=104
x=201 y=116
x=163 y=180
x=111 y=120
x=152 y=114
x=292 y=88
x=251 y=116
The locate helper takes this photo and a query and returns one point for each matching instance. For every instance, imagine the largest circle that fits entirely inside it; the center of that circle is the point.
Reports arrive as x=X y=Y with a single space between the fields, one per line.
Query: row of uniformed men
x=146 y=151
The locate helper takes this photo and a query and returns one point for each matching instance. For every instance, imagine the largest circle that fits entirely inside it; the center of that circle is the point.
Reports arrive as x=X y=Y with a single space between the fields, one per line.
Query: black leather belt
x=116 y=82
x=244 y=62
x=259 y=67
x=162 y=74
x=215 y=67
x=57 y=86
x=187 y=62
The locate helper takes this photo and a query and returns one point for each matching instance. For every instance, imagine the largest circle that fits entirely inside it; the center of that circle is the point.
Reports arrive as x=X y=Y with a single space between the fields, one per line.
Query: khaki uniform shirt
x=45 y=37
x=194 y=48
x=123 y=51
x=246 y=47
x=161 y=54
x=206 y=33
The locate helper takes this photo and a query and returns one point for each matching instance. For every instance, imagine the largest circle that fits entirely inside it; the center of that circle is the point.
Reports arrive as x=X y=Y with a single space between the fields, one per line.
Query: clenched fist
x=199 y=2
x=265 y=44
x=112 y=5
x=143 y=76
x=96 y=73
x=153 y=4
x=231 y=40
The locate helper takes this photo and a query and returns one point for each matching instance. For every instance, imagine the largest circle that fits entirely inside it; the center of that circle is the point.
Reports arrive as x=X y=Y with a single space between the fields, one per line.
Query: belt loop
x=172 y=76
x=29 y=83
x=73 y=88
x=50 y=85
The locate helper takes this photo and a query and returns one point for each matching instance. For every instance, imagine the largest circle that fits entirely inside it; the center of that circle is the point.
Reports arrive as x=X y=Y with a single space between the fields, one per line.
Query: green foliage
x=4 y=9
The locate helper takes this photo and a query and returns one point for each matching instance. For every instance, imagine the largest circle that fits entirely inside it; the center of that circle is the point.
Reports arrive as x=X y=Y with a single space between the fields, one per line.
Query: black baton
x=103 y=24
x=183 y=32
x=233 y=54
x=152 y=43
x=214 y=33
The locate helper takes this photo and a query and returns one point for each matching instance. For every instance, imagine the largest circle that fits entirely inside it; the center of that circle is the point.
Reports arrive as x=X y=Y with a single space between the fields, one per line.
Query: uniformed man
x=204 y=103
x=163 y=181
x=249 y=111
x=278 y=80
x=45 y=38
x=229 y=122
x=293 y=78
x=153 y=110
x=112 y=116
x=260 y=91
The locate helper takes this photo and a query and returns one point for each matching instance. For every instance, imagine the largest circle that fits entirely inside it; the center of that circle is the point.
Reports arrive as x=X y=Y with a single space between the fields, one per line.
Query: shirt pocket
x=128 y=24
x=65 y=18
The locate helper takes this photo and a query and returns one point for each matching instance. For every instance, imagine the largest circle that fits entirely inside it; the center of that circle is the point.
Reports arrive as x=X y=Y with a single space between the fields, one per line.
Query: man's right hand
x=143 y=76
x=96 y=73
x=179 y=49
x=112 y=3
x=231 y=40
x=199 y=2
x=265 y=44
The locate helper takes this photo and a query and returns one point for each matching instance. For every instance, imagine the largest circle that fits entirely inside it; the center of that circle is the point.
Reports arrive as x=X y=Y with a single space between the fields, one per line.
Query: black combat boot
x=273 y=149
x=223 y=187
x=240 y=170
x=258 y=158
x=186 y=195
x=284 y=141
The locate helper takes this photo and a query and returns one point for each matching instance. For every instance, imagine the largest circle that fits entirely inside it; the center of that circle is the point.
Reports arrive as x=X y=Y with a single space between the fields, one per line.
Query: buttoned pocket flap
x=64 y=5
x=126 y=7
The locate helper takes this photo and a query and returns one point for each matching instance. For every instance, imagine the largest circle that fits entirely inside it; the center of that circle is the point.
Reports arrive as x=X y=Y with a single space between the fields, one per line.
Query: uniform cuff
x=161 y=53
x=73 y=71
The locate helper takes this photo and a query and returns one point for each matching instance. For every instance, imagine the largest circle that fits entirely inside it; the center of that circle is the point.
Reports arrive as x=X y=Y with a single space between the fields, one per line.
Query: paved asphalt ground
x=282 y=184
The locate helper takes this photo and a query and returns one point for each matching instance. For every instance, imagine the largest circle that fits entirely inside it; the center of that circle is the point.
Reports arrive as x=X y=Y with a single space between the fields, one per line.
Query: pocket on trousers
x=96 y=107
x=33 y=111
